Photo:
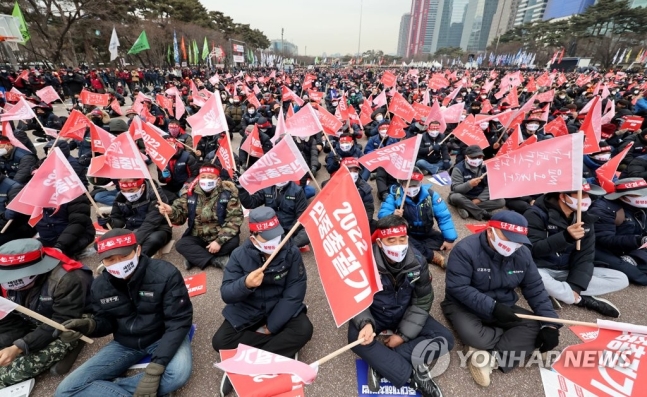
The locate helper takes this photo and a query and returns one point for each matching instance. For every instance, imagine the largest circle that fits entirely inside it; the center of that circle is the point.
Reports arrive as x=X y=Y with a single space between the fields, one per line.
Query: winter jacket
x=420 y=212
x=376 y=142
x=332 y=165
x=141 y=216
x=619 y=227
x=637 y=168
x=462 y=174
x=248 y=119
x=288 y=203
x=62 y=229
x=640 y=106
x=183 y=168
x=554 y=248
x=152 y=305
x=279 y=297
x=478 y=277
x=366 y=193
x=235 y=113
x=404 y=302
x=18 y=165
x=638 y=149
x=589 y=170
x=309 y=151
x=440 y=152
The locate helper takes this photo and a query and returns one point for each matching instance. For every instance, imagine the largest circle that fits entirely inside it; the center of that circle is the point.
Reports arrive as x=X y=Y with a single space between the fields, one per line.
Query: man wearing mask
x=181 y=169
x=402 y=306
x=422 y=206
x=433 y=155
x=372 y=128
x=470 y=193
x=178 y=133
x=380 y=139
x=234 y=114
x=570 y=275
x=135 y=208
x=73 y=84
x=533 y=125
x=145 y=305
x=250 y=117
x=346 y=148
x=16 y=163
x=621 y=230
x=214 y=214
x=46 y=116
x=52 y=285
x=264 y=308
x=480 y=299
x=594 y=161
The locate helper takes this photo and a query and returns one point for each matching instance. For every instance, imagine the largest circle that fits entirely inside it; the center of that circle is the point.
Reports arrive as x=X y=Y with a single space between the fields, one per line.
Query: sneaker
x=225 y=386
x=438 y=260
x=480 y=367
x=41 y=139
x=422 y=382
x=599 y=305
x=373 y=380
x=463 y=213
x=486 y=216
x=187 y=264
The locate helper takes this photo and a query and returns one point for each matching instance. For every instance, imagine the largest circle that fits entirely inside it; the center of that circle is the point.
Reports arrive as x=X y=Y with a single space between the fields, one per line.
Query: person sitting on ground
x=181 y=170
x=433 y=155
x=68 y=228
x=16 y=163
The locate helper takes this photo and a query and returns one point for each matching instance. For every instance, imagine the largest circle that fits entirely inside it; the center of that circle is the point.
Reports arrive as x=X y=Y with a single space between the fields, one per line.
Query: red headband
x=345 y=139
x=116 y=242
x=264 y=225
x=208 y=169
x=509 y=227
x=389 y=232
x=130 y=185
x=631 y=185
x=417 y=176
x=17 y=259
x=350 y=162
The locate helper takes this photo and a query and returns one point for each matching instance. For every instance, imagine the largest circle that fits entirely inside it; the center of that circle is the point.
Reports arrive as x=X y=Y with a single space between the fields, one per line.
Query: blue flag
x=176 y=51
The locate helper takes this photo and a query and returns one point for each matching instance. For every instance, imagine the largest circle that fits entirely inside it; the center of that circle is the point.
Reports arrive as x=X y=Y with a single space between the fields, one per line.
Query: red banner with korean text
x=158 y=149
x=337 y=225
x=92 y=98
x=100 y=139
x=121 y=161
x=388 y=79
x=304 y=123
x=48 y=94
x=224 y=154
x=397 y=159
x=210 y=119
x=470 y=133
x=399 y=106
x=75 y=126
x=330 y=123
x=252 y=144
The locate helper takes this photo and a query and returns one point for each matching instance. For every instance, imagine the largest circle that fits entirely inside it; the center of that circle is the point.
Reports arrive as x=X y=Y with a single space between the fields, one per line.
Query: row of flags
x=625 y=57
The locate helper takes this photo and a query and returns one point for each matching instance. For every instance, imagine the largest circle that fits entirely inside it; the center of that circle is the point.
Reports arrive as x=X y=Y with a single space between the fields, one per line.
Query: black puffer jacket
x=62 y=229
x=152 y=305
x=18 y=165
x=288 y=202
x=141 y=216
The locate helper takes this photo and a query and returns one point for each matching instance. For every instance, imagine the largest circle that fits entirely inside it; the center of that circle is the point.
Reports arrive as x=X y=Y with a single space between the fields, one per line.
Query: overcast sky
x=329 y=26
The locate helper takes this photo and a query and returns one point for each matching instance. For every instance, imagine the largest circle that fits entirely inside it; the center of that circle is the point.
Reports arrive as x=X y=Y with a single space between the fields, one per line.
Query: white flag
x=114 y=45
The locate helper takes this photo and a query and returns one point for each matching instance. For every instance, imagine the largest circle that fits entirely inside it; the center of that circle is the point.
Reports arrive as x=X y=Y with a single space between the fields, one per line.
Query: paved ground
x=337 y=377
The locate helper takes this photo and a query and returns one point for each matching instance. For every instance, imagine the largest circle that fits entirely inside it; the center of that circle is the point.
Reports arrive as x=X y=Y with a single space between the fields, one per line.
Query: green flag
x=140 y=45
x=190 y=56
x=168 y=54
x=196 y=52
x=23 y=25
x=205 y=49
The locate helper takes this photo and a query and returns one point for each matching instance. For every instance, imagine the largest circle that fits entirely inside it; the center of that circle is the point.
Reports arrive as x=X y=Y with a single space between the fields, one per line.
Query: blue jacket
x=279 y=297
x=420 y=212
x=288 y=203
x=640 y=106
x=333 y=165
x=622 y=238
x=375 y=141
x=478 y=277
x=589 y=170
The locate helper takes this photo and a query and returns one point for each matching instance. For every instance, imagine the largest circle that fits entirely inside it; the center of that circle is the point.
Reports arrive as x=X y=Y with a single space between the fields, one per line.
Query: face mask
x=396 y=253
x=379 y=118
x=345 y=146
x=382 y=133
x=463 y=117
x=231 y=100
x=208 y=184
x=483 y=96
x=505 y=248
x=3 y=151
x=602 y=157
x=636 y=92
x=174 y=131
x=19 y=284
x=355 y=175
x=236 y=103
x=269 y=246
x=532 y=127
x=562 y=96
x=473 y=162
x=565 y=117
x=282 y=184
x=413 y=191
x=484 y=126
x=434 y=133
x=638 y=202
x=459 y=100
x=250 y=111
x=586 y=203
x=132 y=197
x=123 y=269
x=335 y=103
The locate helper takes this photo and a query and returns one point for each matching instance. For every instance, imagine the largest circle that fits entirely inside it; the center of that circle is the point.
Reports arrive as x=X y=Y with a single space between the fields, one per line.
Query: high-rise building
x=403 y=37
x=424 y=28
x=529 y=11
x=477 y=24
x=503 y=18
x=284 y=47
x=563 y=8
x=451 y=25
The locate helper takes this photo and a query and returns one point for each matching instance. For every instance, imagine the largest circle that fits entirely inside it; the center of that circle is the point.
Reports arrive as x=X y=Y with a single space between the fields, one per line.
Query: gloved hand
x=78 y=327
x=102 y=221
x=235 y=177
x=313 y=170
x=504 y=314
x=338 y=159
x=150 y=382
x=166 y=173
x=547 y=339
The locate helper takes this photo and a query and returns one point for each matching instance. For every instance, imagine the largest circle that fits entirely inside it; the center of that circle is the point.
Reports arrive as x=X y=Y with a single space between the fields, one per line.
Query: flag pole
x=314 y=180
x=159 y=199
x=6 y=226
x=94 y=204
x=556 y=320
x=231 y=151
x=443 y=141
x=337 y=352
x=48 y=321
x=404 y=194
x=330 y=143
x=579 y=215
x=285 y=240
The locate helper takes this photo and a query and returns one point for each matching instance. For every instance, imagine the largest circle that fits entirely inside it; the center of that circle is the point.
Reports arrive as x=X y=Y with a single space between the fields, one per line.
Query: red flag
x=21 y=111
x=210 y=119
x=422 y=111
x=453 y=113
x=561 y=55
x=13 y=95
x=592 y=128
x=6 y=307
x=609 y=112
x=48 y=94
x=256 y=89
x=396 y=128
x=605 y=92
x=135 y=129
x=75 y=126
x=24 y=75
x=146 y=114
x=35 y=213
x=380 y=100
x=180 y=108
x=53 y=184
x=512 y=143
x=388 y=79
x=399 y=106
x=486 y=106
x=607 y=171
x=290 y=112
x=100 y=139
x=346 y=267
x=122 y=160
x=92 y=98
x=280 y=129
x=342 y=108
x=547 y=96
x=252 y=144
x=557 y=127
x=435 y=114
x=488 y=86
x=544 y=80
x=425 y=98
x=438 y=81
x=158 y=149
x=470 y=133
x=308 y=80
x=582 y=79
x=252 y=100
x=561 y=79
x=224 y=154
x=165 y=102
x=304 y=123
x=531 y=86
x=512 y=98
x=281 y=164
x=215 y=79
x=289 y=95
x=316 y=96
x=451 y=96
x=553 y=165
x=353 y=117
x=8 y=132
x=114 y=105
x=397 y=159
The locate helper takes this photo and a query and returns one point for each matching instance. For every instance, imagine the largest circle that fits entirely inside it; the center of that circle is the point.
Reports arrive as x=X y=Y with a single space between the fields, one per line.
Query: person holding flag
x=16 y=163
x=594 y=161
x=482 y=274
x=407 y=295
x=245 y=159
x=212 y=209
x=569 y=274
x=422 y=206
x=19 y=226
x=433 y=155
x=51 y=284
x=264 y=306
x=620 y=229
x=347 y=147
x=470 y=193
x=380 y=138
x=180 y=171
x=365 y=190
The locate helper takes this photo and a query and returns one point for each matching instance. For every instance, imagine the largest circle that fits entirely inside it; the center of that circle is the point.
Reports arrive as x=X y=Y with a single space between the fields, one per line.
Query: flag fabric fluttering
x=140 y=45
x=113 y=48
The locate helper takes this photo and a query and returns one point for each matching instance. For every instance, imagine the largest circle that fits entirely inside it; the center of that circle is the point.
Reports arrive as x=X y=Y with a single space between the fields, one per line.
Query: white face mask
x=345 y=146
x=382 y=133
x=132 y=197
x=335 y=104
x=463 y=117
x=484 y=126
x=19 y=284
x=586 y=203
x=123 y=269
x=483 y=96
x=473 y=162
x=282 y=184
x=396 y=253
x=532 y=127
x=3 y=151
x=355 y=176
x=636 y=201
x=433 y=133
x=505 y=248
x=413 y=191
x=269 y=246
x=379 y=117
x=250 y=111
x=562 y=96
x=602 y=157
x=208 y=184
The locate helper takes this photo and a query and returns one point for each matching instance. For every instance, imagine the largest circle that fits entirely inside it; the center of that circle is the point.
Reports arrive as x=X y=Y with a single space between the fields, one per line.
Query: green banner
x=140 y=45
x=23 y=25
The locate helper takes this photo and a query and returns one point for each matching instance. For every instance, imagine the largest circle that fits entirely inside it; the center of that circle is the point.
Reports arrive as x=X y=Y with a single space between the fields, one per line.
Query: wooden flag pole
x=159 y=199
x=48 y=321
x=314 y=180
x=332 y=148
x=337 y=352
x=6 y=226
x=96 y=207
x=382 y=141
x=231 y=151
x=285 y=240
x=443 y=141
x=579 y=216
x=557 y=320
x=404 y=194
